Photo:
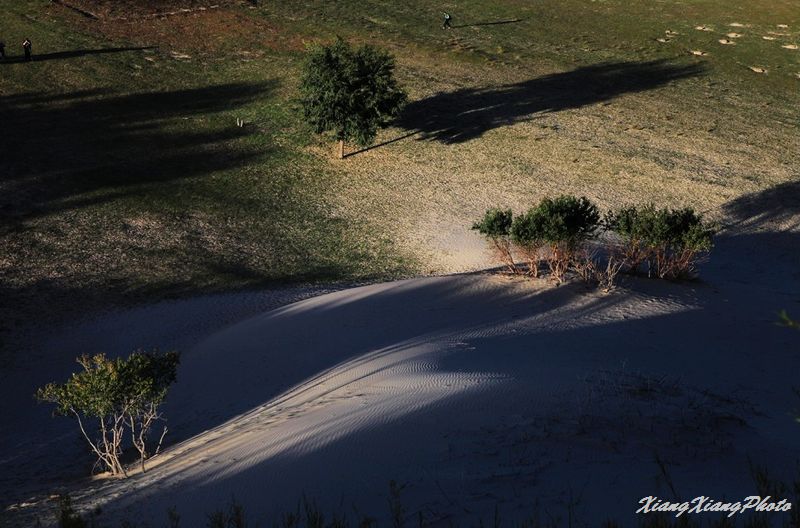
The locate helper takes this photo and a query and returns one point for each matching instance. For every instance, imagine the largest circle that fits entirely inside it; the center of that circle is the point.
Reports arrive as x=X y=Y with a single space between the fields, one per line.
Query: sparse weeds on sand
x=309 y=515
x=233 y=517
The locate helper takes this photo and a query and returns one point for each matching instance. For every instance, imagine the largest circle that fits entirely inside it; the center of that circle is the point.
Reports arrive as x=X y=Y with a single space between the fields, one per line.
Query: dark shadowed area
x=462 y=115
x=775 y=205
x=71 y=54
x=69 y=150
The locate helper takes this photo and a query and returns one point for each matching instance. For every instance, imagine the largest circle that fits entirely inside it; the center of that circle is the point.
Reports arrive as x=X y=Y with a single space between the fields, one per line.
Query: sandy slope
x=487 y=391
x=473 y=391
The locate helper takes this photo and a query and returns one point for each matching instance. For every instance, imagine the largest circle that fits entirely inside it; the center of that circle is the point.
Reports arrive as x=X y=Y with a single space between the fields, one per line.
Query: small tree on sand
x=496 y=227
x=350 y=92
x=566 y=223
x=114 y=400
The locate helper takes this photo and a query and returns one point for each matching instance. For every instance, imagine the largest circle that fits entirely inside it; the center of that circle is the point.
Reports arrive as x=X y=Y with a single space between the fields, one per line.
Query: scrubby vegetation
x=667 y=243
x=788 y=321
x=496 y=226
x=350 y=92
x=567 y=234
x=110 y=215
x=307 y=514
x=122 y=397
x=557 y=231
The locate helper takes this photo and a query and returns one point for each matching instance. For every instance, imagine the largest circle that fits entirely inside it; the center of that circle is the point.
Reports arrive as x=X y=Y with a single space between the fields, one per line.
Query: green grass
x=124 y=173
x=571 y=31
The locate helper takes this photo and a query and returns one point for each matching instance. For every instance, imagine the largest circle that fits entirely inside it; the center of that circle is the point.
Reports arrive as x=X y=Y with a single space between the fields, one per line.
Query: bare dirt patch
x=188 y=25
x=107 y=9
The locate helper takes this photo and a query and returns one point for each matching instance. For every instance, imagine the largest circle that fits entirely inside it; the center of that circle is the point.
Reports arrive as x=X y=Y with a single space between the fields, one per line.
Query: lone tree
x=114 y=400
x=350 y=92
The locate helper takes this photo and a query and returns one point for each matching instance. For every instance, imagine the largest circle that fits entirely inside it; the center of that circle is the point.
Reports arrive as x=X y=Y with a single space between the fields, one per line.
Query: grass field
x=124 y=176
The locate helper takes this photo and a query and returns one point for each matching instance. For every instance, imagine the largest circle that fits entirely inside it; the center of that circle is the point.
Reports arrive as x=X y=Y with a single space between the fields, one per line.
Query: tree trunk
x=341 y=149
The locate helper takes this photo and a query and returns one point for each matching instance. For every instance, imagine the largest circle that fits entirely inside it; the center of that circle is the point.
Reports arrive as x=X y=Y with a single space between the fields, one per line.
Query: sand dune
x=472 y=391
x=489 y=391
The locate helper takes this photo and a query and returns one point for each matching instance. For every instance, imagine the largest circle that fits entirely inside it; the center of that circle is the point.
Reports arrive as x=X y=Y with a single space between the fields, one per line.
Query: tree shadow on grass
x=67 y=151
x=382 y=144
x=71 y=54
x=492 y=23
x=462 y=115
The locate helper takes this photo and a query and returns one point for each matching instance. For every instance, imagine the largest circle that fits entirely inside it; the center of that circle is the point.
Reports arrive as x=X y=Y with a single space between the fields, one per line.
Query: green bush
x=787 y=321
x=496 y=227
x=527 y=234
x=561 y=226
x=569 y=220
x=669 y=241
x=350 y=92
x=121 y=396
x=496 y=223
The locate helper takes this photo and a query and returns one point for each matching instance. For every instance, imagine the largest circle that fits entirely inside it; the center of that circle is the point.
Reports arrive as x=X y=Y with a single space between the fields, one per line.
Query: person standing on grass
x=26 y=47
x=447 y=19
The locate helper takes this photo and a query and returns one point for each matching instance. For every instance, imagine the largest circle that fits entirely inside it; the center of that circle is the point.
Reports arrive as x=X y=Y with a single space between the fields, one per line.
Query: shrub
x=527 y=233
x=67 y=517
x=787 y=321
x=350 y=92
x=625 y=223
x=565 y=224
x=496 y=227
x=670 y=241
x=122 y=396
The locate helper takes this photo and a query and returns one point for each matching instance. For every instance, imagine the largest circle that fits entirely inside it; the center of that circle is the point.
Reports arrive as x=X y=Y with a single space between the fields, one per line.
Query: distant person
x=2 y=50
x=447 y=19
x=26 y=47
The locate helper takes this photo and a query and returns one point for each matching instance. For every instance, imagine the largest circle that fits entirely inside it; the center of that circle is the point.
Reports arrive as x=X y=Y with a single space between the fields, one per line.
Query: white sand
x=472 y=391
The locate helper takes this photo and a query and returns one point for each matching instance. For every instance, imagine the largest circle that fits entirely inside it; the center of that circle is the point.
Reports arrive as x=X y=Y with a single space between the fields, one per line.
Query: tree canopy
x=122 y=396
x=350 y=92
